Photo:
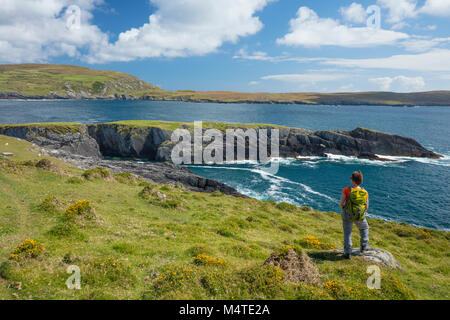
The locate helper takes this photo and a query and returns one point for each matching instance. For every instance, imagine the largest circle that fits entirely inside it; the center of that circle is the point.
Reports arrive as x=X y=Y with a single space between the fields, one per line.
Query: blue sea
x=416 y=191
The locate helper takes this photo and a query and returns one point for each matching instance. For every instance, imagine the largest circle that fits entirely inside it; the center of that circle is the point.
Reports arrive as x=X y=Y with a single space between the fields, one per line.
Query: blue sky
x=244 y=45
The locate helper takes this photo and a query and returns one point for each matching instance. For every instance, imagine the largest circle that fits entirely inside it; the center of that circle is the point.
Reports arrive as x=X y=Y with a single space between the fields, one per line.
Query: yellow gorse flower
x=203 y=259
x=79 y=208
x=313 y=242
x=29 y=248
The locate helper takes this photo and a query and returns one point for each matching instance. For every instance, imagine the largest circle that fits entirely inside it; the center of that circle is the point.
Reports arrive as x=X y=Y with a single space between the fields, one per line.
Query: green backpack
x=357 y=204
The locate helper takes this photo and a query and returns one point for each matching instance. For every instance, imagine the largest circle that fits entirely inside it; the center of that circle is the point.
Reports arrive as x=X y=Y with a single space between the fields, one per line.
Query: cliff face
x=125 y=141
x=153 y=143
x=70 y=139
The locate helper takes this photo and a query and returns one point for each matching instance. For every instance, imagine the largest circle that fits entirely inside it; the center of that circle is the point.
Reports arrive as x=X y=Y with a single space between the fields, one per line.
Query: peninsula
x=47 y=81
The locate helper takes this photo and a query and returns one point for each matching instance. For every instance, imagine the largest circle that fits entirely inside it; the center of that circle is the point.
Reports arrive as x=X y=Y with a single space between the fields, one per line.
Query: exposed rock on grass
x=376 y=255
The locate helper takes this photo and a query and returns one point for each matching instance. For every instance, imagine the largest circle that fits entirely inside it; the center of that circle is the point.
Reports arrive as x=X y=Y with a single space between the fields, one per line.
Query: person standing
x=354 y=204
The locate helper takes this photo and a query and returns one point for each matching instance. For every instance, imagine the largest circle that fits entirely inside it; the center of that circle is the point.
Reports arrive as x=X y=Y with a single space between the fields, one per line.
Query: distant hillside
x=433 y=98
x=46 y=81
x=64 y=81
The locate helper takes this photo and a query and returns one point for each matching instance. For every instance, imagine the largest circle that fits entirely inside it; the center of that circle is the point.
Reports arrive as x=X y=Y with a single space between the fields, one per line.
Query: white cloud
x=436 y=7
x=181 y=28
x=422 y=45
x=305 y=77
x=263 y=56
x=309 y=30
x=33 y=31
x=257 y=56
x=434 y=60
x=355 y=13
x=399 y=83
x=399 y=10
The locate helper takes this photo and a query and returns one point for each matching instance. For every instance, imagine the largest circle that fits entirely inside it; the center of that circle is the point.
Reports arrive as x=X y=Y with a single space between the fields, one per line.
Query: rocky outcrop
x=154 y=143
x=71 y=139
x=361 y=142
x=376 y=255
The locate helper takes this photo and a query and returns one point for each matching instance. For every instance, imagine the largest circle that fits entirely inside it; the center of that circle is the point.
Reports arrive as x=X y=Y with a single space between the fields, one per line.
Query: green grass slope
x=63 y=80
x=129 y=243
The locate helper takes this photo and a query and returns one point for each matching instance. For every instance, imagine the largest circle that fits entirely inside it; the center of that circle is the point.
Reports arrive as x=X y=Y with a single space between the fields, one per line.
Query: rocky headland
x=92 y=145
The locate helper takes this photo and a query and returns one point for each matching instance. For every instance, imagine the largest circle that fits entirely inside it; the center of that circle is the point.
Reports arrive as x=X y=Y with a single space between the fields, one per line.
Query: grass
x=44 y=79
x=172 y=125
x=187 y=245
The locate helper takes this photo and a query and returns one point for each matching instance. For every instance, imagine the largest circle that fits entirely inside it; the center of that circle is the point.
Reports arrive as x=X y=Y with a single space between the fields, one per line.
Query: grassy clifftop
x=65 y=81
x=69 y=81
x=130 y=242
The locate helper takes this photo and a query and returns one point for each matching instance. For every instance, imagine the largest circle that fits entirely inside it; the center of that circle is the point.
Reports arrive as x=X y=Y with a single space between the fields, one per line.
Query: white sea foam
x=445 y=161
x=276 y=182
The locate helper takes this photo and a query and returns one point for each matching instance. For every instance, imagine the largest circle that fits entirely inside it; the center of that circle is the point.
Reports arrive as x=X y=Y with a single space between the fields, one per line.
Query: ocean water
x=416 y=191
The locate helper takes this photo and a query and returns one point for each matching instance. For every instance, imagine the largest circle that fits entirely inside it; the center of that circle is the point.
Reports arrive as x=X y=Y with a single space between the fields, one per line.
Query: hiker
x=354 y=204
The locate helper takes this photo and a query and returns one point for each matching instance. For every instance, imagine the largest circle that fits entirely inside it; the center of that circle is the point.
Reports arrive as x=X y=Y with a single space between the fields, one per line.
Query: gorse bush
x=284 y=206
x=172 y=278
x=312 y=242
x=97 y=173
x=49 y=204
x=74 y=180
x=111 y=269
x=283 y=250
x=27 y=249
x=66 y=228
x=198 y=249
x=147 y=192
x=45 y=164
x=126 y=178
x=203 y=259
x=81 y=208
x=339 y=291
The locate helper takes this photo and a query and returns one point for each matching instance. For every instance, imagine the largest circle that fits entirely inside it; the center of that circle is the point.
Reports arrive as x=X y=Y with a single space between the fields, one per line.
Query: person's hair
x=357 y=177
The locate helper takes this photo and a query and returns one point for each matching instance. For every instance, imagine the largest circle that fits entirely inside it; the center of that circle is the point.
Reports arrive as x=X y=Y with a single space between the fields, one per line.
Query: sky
x=240 y=45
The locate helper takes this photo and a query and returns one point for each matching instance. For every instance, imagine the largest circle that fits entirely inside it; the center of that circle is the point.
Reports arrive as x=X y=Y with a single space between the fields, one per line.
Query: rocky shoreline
x=338 y=100
x=159 y=172
x=86 y=146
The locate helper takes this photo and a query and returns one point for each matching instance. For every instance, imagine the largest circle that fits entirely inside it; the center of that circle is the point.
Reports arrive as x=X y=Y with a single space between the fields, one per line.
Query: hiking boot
x=364 y=248
x=347 y=256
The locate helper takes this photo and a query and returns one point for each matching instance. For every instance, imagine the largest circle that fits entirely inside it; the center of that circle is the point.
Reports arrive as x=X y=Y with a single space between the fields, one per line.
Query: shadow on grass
x=321 y=256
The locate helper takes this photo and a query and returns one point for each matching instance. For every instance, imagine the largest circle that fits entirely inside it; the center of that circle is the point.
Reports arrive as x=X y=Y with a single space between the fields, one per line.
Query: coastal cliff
x=151 y=140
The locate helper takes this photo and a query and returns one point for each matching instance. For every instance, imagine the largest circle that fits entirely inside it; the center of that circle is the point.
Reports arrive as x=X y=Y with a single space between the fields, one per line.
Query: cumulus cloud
x=355 y=13
x=436 y=7
x=309 y=30
x=181 y=28
x=399 y=10
x=399 y=83
x=36 y=30
x=33 y=31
